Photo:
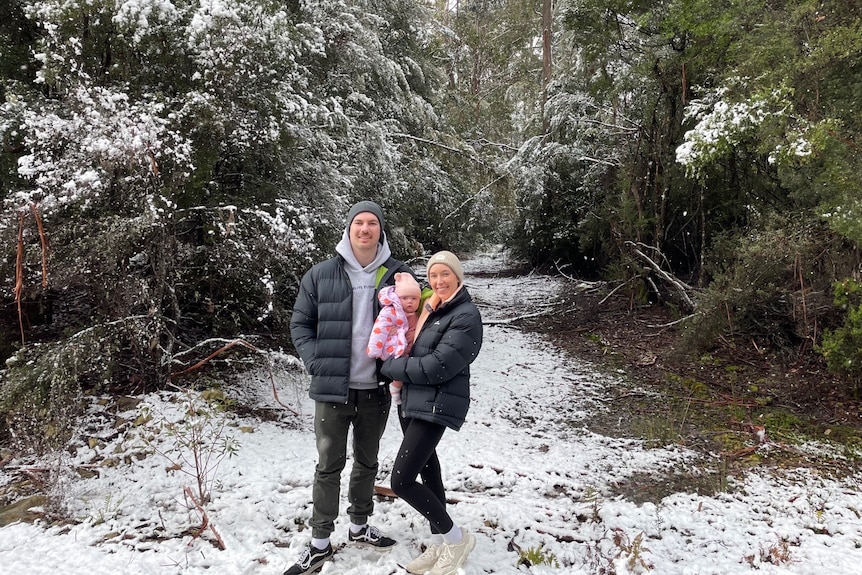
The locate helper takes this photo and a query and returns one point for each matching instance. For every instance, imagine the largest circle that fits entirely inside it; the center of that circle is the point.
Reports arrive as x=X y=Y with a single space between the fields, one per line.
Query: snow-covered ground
x=524 y=473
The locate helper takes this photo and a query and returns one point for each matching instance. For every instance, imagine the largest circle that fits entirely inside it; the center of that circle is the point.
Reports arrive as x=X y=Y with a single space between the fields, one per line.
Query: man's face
x=364 y=232
x=410 y=303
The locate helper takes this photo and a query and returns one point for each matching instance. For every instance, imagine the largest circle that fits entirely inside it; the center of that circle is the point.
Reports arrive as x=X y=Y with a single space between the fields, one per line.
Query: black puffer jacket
x=436 y=374
x=321 y=325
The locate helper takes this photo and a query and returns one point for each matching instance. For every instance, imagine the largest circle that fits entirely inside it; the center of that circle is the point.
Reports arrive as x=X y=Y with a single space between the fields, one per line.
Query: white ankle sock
x=320 y=543
x=354 y=528
x=453 y=536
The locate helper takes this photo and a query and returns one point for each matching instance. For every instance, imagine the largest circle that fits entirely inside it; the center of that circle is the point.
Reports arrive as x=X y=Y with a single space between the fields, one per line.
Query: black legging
x=418 y=456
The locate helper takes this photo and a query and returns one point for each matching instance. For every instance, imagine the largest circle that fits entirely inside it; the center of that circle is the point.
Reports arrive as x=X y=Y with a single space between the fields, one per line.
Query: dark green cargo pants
x=366 y=411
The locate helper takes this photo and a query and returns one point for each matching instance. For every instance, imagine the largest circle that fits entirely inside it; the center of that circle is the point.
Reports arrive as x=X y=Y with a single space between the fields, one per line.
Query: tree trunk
x=546 y=59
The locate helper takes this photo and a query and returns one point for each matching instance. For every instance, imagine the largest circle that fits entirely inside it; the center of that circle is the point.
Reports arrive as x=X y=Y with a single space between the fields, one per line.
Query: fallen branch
x=723 y=402
x=226 y=347
x=680 y=320
x=384 y=492
x=472 y=198
x=680 y=286
x=509 y=320
x=613 y=291
x=437 y=144
x=214 y=354
x=745 y=451
x=205 y=521
x=567 y=538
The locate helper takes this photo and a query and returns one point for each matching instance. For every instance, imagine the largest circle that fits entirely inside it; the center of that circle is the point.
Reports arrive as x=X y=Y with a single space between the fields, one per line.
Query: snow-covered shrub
x=42 y=384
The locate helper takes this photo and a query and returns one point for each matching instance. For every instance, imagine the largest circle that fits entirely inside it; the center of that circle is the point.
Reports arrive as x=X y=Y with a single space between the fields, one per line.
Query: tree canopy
x=170 y=168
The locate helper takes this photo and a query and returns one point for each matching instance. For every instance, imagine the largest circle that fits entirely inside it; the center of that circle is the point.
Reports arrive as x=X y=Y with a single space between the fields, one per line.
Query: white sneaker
x=453 y=556
x=425 y=561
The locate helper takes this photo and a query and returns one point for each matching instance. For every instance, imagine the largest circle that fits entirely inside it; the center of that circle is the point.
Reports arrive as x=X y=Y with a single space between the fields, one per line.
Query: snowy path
x=524 y=471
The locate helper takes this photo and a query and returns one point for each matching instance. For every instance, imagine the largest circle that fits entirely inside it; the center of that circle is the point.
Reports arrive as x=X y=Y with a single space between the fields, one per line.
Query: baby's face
x=410 y=303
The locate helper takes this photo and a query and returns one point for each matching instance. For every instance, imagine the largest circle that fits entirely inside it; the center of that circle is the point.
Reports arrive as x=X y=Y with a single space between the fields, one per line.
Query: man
x=330 y=326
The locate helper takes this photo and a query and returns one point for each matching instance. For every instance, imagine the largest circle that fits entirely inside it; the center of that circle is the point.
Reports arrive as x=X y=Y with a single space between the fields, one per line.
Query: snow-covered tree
x=187 y=161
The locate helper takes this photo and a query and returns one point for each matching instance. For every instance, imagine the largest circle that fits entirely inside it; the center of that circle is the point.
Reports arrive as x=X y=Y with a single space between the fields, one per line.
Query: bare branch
x=681 y=287
x=226 y=347
x=472 y=198
x=205 y=521
x=431 y=143
x=613 y=291
x=579 y=284
x=680 y=320
x=598 y=161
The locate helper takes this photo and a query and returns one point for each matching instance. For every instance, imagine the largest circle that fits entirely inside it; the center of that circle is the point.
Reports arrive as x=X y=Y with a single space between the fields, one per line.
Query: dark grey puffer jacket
x=321 y=325
x=436 y=374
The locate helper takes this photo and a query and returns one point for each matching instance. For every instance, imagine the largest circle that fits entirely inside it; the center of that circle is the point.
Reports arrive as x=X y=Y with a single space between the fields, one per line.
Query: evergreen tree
x=187 y=162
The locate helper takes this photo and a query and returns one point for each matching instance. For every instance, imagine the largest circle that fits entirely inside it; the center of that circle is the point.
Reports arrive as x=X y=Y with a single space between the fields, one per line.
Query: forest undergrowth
x=736 y=404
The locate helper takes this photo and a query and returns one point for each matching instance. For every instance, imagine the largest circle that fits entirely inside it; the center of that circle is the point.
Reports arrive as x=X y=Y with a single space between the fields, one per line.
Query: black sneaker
x=311 y=560
x=371 y=536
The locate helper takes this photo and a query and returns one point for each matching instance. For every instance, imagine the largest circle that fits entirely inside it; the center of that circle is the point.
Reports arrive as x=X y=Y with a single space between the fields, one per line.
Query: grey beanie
x=366 y=206
x=448 y=259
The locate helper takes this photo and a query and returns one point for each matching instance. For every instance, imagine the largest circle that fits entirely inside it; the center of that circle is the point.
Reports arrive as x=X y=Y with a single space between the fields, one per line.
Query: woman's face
x=442 y=280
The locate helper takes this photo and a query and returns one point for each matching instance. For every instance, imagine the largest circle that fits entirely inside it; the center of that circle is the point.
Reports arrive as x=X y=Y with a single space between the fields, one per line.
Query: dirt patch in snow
x=735 y=404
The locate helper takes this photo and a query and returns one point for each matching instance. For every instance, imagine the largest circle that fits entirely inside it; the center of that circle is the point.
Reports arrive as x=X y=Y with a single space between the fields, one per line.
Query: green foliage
x=491 y=60
x=842 y=347
x=796 y=73
x=202 y=274
x=781 y=423
x=16 y=33
x=769 y=287
x=488 y=101
x=236 y=270
x=751 y=292
x=537 y=556
x=109 y=510
x=555 y=205
x=191 y=164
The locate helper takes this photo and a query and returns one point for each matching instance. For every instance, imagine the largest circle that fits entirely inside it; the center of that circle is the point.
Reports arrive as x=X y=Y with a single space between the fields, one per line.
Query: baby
x=395 y=326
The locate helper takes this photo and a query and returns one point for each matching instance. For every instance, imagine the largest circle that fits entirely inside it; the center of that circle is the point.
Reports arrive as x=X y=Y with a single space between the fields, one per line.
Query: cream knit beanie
x=450 y=260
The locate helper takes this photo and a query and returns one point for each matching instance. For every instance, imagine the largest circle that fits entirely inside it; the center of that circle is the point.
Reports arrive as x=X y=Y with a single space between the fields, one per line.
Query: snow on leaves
x=96 y=135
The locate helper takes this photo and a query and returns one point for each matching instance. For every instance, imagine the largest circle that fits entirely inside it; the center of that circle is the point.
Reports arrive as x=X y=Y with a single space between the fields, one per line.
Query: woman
x=436 y=395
